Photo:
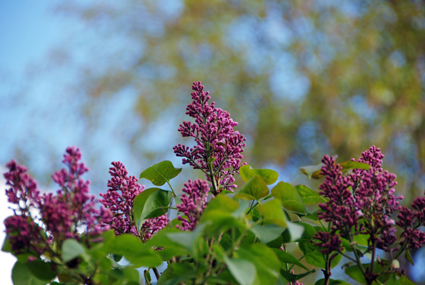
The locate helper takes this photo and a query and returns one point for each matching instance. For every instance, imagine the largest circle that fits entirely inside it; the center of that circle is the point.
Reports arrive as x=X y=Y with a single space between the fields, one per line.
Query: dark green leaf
x=267 y=233
x=393 y=280
x=309 y=196
x=331 y=282
x=288 y=258
x=42 y=270
x=160 y=173
x=289 y=197
x=312 y=171
x=254 y=189
x=354 y=165
x=355 y=273
x=272 y=212
x=405 y=281
x=117 y=257
x=220 y=222
x=294 y=277
x=176 y=273
x=242 y=270
x=21 y=275
x=269 y=176
x=71 y=249
x=6 y=245
x=409 y=257
x=152 y=202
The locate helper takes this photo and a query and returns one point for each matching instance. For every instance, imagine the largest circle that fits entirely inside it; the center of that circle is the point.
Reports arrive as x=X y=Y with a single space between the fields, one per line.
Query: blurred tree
x=305 y=77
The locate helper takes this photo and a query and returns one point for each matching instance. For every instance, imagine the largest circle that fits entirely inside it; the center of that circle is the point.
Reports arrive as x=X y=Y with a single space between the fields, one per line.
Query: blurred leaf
x=331 y=282
x=21 y=275
x=243 y=270
x=267 y=233
x=254 y=189
x=409 y=257
x=289 y=197
x=405 y=281
x=71 y=249
x=6 y=245
x=222 y=203
x=160 y=173
x=269 y=176
x=312 y=171
x=288 y=258
x=41 y=270
x=354 y=165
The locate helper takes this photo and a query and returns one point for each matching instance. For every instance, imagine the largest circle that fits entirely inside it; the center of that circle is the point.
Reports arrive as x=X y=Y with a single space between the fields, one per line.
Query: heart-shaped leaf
x=269 y=176
x=160 y=173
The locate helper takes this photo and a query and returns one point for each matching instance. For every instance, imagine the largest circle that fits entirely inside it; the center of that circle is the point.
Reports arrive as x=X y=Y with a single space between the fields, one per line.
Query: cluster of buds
x=119 y=199
x=360 y=203
x=218 y=149
x=65 y=215
x=193 y=204
x=410 y=221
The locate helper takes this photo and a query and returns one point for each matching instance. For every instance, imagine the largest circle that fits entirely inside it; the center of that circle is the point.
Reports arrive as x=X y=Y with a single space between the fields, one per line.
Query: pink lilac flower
x=73 y=209
x=410 y=221
x=364 y=194
x=123 y=189
x=218 y=149
x=61 y=215
x=193 y=204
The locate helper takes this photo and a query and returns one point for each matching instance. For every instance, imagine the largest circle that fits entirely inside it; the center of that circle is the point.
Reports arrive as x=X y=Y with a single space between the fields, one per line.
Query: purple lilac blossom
x=215 y=138
x=364 y=194
x=73 y=209
x=61 y=216
x=121 y=204
x=193 y=204
x=410 y=221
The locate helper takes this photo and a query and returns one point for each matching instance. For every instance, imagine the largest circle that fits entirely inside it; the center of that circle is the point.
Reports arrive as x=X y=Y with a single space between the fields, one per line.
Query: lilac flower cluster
x=73 y=209
x=193 y=204
x=121 y=205
x=364 y=194
x=410 y=221
x=218 y=149
x=61 y=216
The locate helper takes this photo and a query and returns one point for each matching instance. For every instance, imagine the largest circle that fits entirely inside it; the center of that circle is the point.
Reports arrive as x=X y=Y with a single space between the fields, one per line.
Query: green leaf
x=355 y=273
x=71 y=249
x=151 y=203
x=267 y=233
x=160 y=173
x=272 y=212
x=393 y=280
x=295 y=231
x=21 y=275
x=269 y=176
x=354 y=165
x=409 y=257
x=312 y=171
x=189 y=240
x=309 y=196
x=331 y=282
x=288 y=258
x=134 y=251
x=289 y=197
x=220 y=222
x=294 y=277
x=254 y=189
x=42 y=270
x=176 y=273
x=222 y=203
x=6 y=245
x=405 y=281
x=243 y=270
x=265 y=261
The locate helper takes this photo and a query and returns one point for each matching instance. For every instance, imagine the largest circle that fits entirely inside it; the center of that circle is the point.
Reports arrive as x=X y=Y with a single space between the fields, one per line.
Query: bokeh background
x=303 y=78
